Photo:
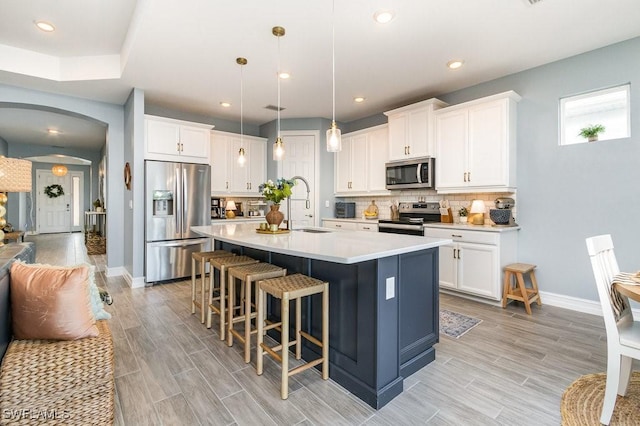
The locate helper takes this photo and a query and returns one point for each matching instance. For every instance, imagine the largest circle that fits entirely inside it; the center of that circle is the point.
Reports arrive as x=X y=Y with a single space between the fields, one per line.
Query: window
x=608 y=108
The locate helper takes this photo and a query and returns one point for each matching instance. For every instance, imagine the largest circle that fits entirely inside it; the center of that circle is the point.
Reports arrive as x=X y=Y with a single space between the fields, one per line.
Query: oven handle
x=399 y=226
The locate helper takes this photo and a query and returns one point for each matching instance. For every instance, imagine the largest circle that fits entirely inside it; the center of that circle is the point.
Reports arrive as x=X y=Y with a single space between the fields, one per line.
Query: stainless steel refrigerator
x=177 y=197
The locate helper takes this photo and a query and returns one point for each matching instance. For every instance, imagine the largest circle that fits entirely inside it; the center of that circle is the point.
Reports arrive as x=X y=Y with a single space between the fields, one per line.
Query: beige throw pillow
x=49 y=302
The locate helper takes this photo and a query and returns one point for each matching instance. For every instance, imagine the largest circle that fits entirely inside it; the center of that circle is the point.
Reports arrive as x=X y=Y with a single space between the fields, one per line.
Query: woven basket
x=95 y=243
x=59 y=382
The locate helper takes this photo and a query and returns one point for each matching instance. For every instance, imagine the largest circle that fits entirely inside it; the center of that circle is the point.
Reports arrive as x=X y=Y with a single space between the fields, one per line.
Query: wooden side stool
x=222 y=264
x=291 y=287
x=203 y=257
x=248 y=274
x=519 y=291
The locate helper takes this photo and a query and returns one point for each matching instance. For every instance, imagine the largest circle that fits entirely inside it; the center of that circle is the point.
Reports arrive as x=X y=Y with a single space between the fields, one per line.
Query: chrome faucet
x=307 y=203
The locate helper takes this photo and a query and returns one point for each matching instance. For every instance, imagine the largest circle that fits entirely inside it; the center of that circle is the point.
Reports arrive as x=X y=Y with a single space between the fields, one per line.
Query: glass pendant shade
x=278 y=149
x=59 y=170
x=334 y=139
x=241 y=158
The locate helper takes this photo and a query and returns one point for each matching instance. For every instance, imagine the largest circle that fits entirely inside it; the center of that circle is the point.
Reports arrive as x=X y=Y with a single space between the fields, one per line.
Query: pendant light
x=241 y=157
x=59 y=170
x=334 y=138
x=278 y=146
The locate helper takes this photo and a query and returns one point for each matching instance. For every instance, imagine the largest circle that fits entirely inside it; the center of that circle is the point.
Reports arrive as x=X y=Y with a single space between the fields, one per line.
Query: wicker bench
x=53 y=382
x=68 y=381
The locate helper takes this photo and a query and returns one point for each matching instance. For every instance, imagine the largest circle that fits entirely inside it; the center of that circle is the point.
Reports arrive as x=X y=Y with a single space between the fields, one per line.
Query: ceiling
x=183 y=54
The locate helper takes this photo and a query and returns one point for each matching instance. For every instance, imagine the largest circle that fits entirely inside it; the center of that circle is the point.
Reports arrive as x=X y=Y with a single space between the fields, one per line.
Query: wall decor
x=54 y=191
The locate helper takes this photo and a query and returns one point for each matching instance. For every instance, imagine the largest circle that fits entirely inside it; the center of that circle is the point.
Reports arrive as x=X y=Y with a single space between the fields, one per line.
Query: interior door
x=53 y=214
x=300 y=160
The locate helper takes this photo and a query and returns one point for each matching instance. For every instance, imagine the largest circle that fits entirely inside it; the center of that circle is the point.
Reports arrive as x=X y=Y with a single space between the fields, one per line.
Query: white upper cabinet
x=167 y=139
x=476 y=145
x=359 y=167
x=227 y=176
x=411 y=130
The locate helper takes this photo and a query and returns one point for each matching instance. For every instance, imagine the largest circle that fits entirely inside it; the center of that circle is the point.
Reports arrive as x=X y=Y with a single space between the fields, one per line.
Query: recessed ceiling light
x=225 y=104
x=53 y=131
x=384 y=16
x=455 y=64
x=358 y=99
x=284 y=75
x=45 y=26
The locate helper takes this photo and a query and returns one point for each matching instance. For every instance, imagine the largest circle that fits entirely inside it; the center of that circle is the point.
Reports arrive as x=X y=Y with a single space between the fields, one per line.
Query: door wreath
x=54 y=191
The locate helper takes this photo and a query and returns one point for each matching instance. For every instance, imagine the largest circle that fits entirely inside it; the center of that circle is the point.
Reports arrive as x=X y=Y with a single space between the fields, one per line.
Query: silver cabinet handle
x=465 y=176
x=456 y=236
x=459 y=257
x=365 y=227
x=338 y=226
x=178 y=146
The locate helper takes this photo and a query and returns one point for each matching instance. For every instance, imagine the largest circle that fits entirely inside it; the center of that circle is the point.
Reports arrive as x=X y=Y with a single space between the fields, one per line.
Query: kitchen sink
x=313 y=231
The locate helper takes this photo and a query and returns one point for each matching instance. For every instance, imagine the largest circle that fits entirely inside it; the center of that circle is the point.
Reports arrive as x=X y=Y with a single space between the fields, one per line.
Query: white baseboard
x=552 y=299
x=121 y=271
x=575 y=304
x=115 y=271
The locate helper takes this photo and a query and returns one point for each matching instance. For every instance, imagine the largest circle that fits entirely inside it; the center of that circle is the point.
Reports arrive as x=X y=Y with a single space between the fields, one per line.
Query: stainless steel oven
x=416 y=173
x=413 y=216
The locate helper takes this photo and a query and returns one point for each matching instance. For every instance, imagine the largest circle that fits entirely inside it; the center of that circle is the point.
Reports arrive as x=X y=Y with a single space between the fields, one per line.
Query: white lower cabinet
x=339 y=224
x=473 y=263
x=371 y=227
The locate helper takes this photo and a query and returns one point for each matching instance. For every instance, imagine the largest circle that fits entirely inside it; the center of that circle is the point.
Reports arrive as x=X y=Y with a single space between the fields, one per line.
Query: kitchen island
x=383 y=298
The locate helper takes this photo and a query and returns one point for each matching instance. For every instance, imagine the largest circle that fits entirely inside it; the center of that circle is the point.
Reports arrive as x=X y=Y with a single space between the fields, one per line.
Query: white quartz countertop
x=468 y=227
x=333 y=246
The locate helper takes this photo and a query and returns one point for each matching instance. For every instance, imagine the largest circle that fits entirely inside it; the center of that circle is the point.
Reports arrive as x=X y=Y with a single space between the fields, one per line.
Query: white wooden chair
x=623 y=335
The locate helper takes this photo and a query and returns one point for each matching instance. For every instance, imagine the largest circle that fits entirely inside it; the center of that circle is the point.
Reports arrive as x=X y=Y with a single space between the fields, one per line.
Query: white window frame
x=626 y=88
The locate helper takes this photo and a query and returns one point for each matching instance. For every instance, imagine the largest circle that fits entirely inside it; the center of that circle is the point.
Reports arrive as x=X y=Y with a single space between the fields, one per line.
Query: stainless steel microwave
x=415 y=173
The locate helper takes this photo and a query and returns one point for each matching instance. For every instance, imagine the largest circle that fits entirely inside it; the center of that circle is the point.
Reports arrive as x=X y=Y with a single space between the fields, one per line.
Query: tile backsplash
x=456 y=201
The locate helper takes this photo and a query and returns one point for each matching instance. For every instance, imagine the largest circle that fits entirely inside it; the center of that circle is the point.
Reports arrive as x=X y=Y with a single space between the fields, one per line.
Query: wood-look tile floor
x=170 y=369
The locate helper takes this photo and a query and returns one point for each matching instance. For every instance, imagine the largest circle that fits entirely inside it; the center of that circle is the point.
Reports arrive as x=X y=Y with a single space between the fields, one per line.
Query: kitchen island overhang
x=383 y=291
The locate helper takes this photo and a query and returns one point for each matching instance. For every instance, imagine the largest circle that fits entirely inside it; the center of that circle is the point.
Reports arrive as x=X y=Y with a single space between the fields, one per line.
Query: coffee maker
x=217 y=208
x=502 y=214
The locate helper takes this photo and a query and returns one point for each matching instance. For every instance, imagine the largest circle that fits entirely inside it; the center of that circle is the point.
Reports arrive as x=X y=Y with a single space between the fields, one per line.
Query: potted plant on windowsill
x=463 y=214
x=591 y=132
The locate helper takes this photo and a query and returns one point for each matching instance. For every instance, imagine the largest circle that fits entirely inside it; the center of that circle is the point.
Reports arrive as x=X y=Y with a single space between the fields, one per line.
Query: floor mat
x=454 y=324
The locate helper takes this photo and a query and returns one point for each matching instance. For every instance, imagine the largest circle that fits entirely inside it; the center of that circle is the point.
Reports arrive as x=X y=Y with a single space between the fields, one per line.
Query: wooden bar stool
x=518 y=290
x=203 y=257
x=288 y=288
x=222 y=264
x=248 y=274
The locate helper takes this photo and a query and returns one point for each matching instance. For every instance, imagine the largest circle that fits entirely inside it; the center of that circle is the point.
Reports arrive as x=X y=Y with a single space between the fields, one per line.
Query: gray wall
x=113 y=117
x=134 y=198
x=4 y=147
x=568 y=193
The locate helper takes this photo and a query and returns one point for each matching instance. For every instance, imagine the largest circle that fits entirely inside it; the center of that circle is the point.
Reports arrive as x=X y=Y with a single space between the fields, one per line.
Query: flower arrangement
x=278 y=191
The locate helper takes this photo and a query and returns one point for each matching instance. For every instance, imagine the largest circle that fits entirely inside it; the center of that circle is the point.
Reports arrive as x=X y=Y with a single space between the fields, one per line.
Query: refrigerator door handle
x=177 y=207
x=184 y=200
x=186 y=243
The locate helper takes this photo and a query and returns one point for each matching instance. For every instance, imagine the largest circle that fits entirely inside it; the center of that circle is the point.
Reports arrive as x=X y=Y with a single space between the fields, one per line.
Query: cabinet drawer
x=352 y=226
x=372 y=227
x=458 y=235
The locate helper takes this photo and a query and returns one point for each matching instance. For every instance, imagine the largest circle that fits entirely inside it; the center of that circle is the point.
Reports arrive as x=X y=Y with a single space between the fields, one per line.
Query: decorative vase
x=275 y=216
x=463 y=219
